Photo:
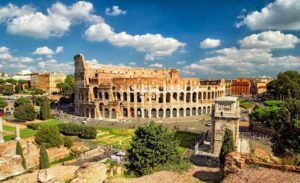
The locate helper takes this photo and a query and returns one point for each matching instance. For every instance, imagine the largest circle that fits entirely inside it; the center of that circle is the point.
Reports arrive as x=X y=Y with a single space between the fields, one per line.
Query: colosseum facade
x=119 y=92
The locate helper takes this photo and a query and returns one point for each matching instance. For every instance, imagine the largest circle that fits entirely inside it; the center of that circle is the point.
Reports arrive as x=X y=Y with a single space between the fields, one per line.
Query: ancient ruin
x=118 y=92
x=1 y=131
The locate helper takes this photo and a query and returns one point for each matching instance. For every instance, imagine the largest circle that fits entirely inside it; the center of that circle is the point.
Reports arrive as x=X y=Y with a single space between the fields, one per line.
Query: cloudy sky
x=205 y=39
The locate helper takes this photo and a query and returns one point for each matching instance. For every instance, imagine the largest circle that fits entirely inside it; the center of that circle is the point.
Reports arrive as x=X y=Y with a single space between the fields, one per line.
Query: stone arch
x=208 y=95
x=208 y=110
x=199 y=95
x=100 y=96
x=131 y=97
x=181 y=112
x=168 y=97
x=194 y=111
x=174 y=112
x=87 y=112
x=187 y=112
x=188 y=88
x=106 y=113
x=153 y=113
x=106 y=96
x=161 y=98
x=181 y=96
x=95 y=90
x=175 y=96
x=153 y=96
x=204 y=110
x=168 y=113
x=139 y=97
x=194 y=97
x=132 y=114
x=146 y=113
x=139 y=112
x=212 y=95
x=199 y=111
x=118 y=96
x=125 y=96
x=125 y=112
x=204 y=95
x=188 y=97
x=93 y=113
x=113 y=113
x=161 y=113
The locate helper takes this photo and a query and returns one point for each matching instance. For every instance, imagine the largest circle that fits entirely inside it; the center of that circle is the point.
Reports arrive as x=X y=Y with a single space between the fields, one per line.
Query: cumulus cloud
x=210 y=43
x=4 y=49
x=27 y=21
x=114 y=11
x=154 y=45
x=232 y=62
x=181 y=62
x=52 y=65
x=6 y=56
x=280 y=15
x=132 y=63
x=269 y=40
x=47 y=51
x=157 y=65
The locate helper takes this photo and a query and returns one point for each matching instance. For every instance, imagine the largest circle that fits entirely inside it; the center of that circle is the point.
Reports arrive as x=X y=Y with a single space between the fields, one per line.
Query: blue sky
x=205 y=39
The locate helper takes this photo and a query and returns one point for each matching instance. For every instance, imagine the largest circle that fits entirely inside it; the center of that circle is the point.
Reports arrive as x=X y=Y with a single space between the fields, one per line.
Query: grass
x=68 y=158
x=246 y=104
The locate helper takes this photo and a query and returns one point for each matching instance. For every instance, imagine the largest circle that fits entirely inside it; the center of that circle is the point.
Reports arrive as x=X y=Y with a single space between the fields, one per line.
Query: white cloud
x=269 y=40
x=27 y=21
x=157 y=65
x=280 y=15
x=232 y=62
x=132 y=63
x=210 y=43
x=6 y=56
x=114 y=11
x=4 y=49
x=154 y=45
x=47 y=51
x=181 y=62
x=51 y=65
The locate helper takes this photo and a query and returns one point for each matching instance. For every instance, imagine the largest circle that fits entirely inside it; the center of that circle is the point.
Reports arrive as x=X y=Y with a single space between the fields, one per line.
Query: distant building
x=23 y=75
x=228 y=84
x=4 y=76
x=259 y=85
x=47 y=81
x=241 y=86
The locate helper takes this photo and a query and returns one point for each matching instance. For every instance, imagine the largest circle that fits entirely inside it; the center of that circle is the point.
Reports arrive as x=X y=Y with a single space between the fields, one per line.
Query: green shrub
x=227 y=146
x=82 y=131
x=33 y=126
x=49 y=135
x=19 y=151
x=68 y=141
x=45 y=111
x=43 y=159
x=25 y=112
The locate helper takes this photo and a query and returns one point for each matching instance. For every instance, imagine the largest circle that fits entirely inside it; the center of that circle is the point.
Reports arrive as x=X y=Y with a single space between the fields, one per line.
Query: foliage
x=19 y=151
x=3 y=103
x=291 y=160
x=227 y=146
x=45 y=111
x=37 y=92
x=44 y=161
x=2 y=81
x=12 y=81
x=37 y=100
x=70 y=80
x=274 y=103
x=267 y=116
x=22 y=101
x=82 y=131
x=6 y=90
x=25 y=112
x=152 y=147
x=286 y=84
x=33 y=126
x=67 y=141
x=49 y=136
x=246 y=104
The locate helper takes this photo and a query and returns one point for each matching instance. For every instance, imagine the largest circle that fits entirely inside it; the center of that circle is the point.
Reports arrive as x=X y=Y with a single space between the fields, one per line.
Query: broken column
x=1 y=131
x=18 y=137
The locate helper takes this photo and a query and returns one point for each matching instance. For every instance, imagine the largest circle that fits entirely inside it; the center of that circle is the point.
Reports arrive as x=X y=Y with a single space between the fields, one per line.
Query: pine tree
x=19 y=151
x=45 y=111
x=227 y=146
x=44 y=161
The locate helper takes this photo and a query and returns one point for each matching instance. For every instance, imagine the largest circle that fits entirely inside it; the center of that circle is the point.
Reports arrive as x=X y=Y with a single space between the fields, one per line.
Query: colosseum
x=119 y=92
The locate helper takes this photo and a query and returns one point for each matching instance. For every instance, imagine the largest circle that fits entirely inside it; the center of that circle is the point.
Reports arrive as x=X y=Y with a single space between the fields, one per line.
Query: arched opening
x=101 y=109
x=131 y=97
x=168 y=113
x=139 y=112
x=161 y=98
x=174 y=112
x=95 y=92
x=139 y=97
x=208 y=110
x=146 y=114
x=125 y=112
x=199 y=96
x=168 y=97
x=153 y=113
x=92 y=113
x=204 y=110
x=208 y=95
x=106 y=113
x=181 y=111
x=118 y=96
x=194 y=97
x=146 y=97
x=113 y=114
x=204 y=95
x=194 y=111
x=188 y=88
x=100 y=96
x=161 y=113
x=153 y=97
x=106 y=96
x=199 y=110
x=132 y=112
x=181 y=96
x=188 y=112
x=212 y=95
x=87 y=112
x=188 y=97
x=175 y=96
x=125 y=96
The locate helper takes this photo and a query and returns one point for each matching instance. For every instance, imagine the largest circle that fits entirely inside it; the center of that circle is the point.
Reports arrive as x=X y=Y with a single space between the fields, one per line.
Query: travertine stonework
x=118 y=92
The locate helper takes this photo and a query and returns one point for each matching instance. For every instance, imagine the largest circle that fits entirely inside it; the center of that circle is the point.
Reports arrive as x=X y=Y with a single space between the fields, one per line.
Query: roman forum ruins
x=118 y=92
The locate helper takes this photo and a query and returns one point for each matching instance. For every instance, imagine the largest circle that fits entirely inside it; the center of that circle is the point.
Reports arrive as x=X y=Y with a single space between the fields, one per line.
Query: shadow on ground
x=208 y=176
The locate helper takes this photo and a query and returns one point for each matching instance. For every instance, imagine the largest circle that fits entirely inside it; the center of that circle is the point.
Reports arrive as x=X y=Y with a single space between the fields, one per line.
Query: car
x=208 y=124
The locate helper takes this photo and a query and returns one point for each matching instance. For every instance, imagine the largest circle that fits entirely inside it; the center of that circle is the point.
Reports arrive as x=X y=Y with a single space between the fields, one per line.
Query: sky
x=204 y=39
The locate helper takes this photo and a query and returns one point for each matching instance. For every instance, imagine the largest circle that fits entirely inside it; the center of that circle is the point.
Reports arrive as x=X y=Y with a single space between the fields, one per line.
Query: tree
x=22 y=101
x=2 y=81
x=70 y=80
x=12 y=81
x=49 y=136
x=3 y=103
x=44 y=160
x=19 y=151
x=227 y=146
x=152 y=147
x=45 y=111
x=25 y=112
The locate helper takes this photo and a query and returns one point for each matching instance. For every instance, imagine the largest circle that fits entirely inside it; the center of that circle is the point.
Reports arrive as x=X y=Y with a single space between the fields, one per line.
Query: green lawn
x=246 y=104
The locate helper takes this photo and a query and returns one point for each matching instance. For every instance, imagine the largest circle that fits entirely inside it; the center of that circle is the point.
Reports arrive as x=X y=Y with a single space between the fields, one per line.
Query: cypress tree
x=45 y=111
x=19 y=151
x=44 y=161
x=227 y=146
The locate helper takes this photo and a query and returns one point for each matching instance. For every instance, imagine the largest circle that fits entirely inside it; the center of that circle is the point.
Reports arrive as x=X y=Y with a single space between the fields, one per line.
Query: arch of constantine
x=118 y=92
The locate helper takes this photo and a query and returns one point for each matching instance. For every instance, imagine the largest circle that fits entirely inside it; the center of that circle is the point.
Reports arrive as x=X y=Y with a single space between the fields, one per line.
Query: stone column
x=1 y=131
x=18 y=137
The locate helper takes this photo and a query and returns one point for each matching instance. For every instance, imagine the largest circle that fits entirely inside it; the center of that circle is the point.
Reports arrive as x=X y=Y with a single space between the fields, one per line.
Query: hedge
x=82 y=131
